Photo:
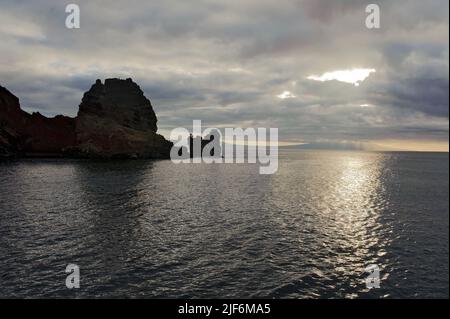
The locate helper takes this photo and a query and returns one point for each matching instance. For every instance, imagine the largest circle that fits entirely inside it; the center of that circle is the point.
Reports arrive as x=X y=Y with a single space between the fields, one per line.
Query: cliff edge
x=115 y=120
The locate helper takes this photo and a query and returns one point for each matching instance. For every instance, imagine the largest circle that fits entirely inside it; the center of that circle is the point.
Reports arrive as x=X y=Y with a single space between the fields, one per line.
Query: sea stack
x=115 y=120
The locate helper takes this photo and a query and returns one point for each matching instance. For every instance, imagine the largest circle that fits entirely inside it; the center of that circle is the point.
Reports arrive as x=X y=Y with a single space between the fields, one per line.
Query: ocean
x=154 y=229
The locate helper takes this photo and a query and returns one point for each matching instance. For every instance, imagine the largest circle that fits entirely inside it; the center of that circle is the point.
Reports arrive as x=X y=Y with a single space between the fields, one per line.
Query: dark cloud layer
x=227 y=63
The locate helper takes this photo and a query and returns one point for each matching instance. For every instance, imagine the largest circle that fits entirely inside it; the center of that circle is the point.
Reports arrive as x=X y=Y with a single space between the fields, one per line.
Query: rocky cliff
x=115 y=120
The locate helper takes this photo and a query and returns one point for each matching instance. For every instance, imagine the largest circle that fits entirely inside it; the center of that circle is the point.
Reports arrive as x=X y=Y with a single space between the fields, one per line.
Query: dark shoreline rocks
x=114 y=120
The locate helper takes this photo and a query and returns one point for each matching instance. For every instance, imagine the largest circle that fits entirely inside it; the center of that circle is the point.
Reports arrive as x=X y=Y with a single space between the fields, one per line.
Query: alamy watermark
x=236 y=145
x=373 y=16
x=73 y=19
x=373 y=279
x=73 y=279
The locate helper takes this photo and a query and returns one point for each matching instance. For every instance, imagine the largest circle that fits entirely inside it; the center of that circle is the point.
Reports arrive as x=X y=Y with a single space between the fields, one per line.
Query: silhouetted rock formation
x=115 y=120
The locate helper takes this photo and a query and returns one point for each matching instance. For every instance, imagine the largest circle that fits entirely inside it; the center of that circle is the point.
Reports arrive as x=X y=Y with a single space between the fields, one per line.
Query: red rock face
x=27 y=134
x=49 y=135
x=115 y=119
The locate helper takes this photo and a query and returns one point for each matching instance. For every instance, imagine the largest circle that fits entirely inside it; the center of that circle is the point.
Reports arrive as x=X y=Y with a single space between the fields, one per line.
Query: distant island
x=114 y=120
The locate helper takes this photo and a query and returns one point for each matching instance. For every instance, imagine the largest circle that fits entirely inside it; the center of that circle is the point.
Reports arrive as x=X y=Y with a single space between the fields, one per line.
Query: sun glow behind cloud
x=286 y=95
x=353 y=76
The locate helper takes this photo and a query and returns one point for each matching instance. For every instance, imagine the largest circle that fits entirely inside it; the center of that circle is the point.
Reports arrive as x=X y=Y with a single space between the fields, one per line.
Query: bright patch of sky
x=353 y=76
x=286 y=95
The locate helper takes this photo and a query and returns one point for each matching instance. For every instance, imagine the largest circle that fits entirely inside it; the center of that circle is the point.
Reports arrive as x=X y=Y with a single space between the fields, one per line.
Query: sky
x=311 y=68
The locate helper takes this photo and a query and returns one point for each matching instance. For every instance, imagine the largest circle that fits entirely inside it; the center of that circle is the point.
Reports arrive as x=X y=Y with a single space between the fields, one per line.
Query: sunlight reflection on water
x=155 y=229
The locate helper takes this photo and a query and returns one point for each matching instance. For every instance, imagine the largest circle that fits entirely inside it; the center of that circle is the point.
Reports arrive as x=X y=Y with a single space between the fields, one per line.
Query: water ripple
x=155 y=229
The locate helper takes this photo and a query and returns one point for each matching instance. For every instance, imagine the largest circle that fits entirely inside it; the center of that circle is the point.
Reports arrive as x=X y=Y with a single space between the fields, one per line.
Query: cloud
x=242 y=63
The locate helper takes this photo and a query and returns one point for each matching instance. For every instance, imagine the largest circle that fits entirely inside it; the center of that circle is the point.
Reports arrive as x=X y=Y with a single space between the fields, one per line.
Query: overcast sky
x=244 y=63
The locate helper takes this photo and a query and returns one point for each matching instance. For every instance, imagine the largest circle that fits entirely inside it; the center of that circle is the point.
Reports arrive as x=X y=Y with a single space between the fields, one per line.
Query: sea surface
x=148 y=229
